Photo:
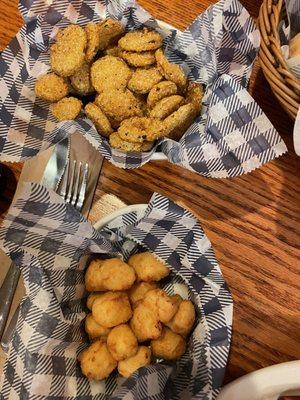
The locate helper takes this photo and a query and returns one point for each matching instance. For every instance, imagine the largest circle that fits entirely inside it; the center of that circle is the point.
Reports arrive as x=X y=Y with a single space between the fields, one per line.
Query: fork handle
x=7 y=292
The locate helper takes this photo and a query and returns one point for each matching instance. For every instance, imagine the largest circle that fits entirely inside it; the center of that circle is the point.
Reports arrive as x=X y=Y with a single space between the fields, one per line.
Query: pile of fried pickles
x=132 y=321
x=122 y=82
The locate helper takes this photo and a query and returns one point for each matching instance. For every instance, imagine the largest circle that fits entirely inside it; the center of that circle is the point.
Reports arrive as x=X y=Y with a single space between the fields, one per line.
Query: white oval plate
x=265 y=384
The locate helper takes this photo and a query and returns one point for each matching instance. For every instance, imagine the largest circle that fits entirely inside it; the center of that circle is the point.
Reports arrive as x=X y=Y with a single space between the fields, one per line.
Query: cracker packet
x=51 y=243
x=232 y=136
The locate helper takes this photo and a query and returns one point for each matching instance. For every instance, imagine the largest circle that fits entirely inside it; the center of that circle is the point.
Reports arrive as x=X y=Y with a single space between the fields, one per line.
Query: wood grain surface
x=252 y=221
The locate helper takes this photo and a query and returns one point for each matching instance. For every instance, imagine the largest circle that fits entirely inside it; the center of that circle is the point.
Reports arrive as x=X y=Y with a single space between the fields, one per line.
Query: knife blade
x=48 y=168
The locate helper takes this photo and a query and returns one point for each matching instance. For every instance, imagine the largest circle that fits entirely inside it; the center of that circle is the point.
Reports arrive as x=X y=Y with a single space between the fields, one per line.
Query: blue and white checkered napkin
x=231 y=137
x=50 y=242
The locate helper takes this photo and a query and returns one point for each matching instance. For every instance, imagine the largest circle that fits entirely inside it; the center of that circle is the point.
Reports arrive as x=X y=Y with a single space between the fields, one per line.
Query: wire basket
x=284 y=84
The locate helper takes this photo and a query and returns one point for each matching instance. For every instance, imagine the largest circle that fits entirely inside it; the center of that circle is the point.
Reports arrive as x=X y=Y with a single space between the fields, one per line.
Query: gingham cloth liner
x=233 y=136
x=46 y=238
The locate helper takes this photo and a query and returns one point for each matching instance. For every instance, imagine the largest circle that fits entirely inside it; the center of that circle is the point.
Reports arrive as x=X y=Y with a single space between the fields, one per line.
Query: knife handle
x=7 y=292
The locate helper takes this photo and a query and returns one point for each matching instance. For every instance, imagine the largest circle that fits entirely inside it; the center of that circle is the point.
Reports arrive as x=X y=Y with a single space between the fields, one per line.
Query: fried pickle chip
x=95 y=330
x=113 y=51
x=140 y=129
x=81 y=81
x=93 y=40
x=184 y=319
x=117 y=143
x=111 y=274
x=142 y=102
x=51 y=87
x=143 y=40
x=66 y=109
x=147 y=267
x=142 y=60
x=119 y=105
x=91 y=298
x=130 y=365
x=111 y=309
x=159 y=91
x=179 y=121
x=166 y=106
x=110 y=31
x=68 y=53
x=139 y=289
x=143 y=80
x=194 y=95
x=122 y=342
x=100 y=120
x=96 y=361
x=145 y=323
x=172 y=72
x=168 y=346
x=109 y=73
x=162 y=304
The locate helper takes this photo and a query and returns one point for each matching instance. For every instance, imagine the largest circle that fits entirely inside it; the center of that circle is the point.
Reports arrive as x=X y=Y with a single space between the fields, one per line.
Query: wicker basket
x=285 y=85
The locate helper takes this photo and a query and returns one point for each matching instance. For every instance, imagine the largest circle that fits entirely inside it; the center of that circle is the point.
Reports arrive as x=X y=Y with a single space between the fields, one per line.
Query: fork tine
x=63 y=186
x=82 y=189
x=76 y=184
x=70 y=182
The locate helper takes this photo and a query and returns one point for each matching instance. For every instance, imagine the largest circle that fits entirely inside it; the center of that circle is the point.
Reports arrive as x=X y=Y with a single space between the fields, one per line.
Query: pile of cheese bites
x=132 y=320
x=122 y=81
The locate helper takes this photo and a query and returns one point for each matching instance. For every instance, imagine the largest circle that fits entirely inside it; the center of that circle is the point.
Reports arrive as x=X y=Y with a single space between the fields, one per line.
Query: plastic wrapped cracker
x=51 y=242
x=232 y=136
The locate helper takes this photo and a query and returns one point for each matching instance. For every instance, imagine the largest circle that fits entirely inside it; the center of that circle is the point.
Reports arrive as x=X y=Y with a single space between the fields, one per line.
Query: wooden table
x=252 y=221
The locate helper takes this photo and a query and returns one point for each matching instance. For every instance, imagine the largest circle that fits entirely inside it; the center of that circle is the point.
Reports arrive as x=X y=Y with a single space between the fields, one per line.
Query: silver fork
x=74 y=183
x=73 y=190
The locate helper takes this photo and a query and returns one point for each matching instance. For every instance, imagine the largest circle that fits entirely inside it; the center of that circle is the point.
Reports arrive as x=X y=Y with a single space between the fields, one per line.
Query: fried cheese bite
x=147 y=267
x=143 y=40
x=169 y=346
x=111 y=274
x=95 y=330
x=112 y=309
x=91 y=298
x=51 y=87
x=141 y=359
x=68 y=53
x=163 y=305
x=96 y=361
x=121 y=342
x=139 y=290
x=67 y=108
x=184 y=319
x=145 y=323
